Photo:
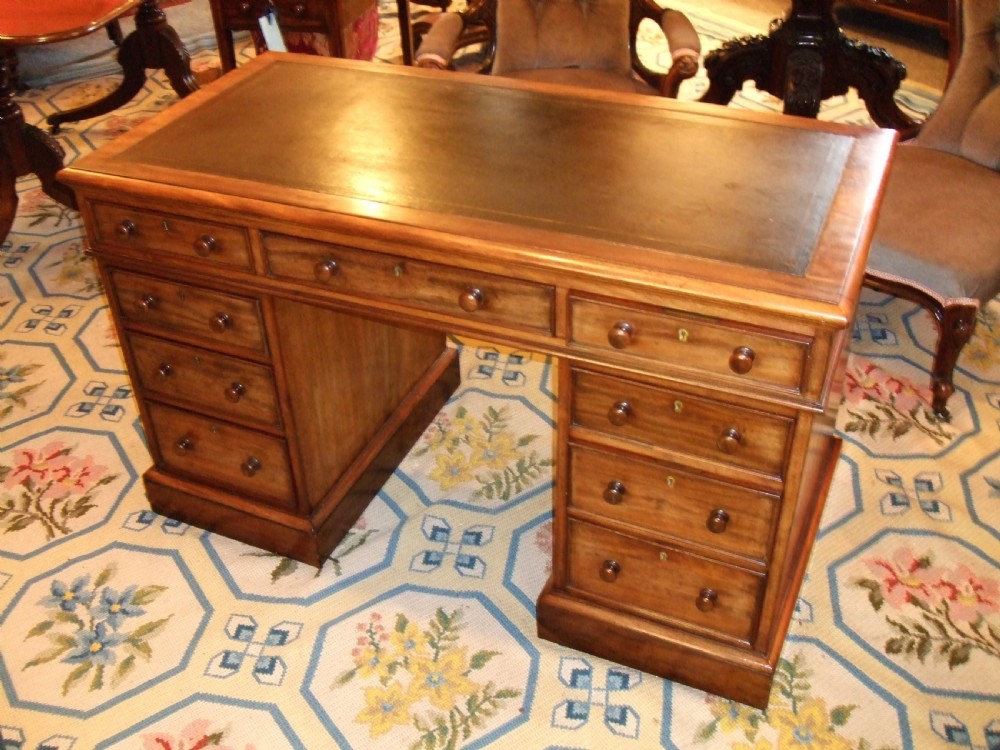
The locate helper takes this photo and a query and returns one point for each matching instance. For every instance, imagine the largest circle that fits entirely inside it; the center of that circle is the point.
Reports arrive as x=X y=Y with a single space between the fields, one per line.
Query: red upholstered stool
x=24 y=149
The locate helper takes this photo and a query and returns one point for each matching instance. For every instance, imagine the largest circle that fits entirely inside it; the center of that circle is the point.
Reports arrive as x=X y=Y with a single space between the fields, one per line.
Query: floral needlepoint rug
x=124 y=630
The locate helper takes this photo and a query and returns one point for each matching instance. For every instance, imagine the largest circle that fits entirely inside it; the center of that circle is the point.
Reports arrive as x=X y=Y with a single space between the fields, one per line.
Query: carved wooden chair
x=589 y=43
x=937 y=240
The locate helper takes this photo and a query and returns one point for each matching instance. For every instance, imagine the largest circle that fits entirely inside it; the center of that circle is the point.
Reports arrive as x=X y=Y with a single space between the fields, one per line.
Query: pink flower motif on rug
x=934 y=611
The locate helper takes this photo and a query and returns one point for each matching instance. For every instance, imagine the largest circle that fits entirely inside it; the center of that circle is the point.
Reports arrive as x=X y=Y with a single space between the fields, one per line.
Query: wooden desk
x=692 y=269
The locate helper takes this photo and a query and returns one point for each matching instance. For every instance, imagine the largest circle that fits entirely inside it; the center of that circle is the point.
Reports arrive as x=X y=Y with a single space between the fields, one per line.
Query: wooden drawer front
x=452 y=291
x=679 y=422
x=665 y=499
x=635 y=574
x=178 y=308
x=237 y=389
x=222 y=454
x=675 y=340
x=192 y=238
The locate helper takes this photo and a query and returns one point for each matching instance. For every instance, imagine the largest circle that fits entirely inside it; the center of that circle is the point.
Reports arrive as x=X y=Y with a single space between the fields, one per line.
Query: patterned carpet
x=123 y=629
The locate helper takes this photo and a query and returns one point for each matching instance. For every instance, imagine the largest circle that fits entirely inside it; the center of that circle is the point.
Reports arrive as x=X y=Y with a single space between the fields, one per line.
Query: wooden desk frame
x=384 y=280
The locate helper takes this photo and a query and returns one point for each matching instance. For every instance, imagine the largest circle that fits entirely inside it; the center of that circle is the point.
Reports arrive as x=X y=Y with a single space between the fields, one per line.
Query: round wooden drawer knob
x=220 y=323
x=620 y=336
x=471 y=299
x=299 y=10
x=610 y=570
x=731 y=440
x=184 y=445
x=741 y=360
x=146 y=303
x=707 y=599
x=165 y=370
x=326 y=269
x=718 y=520
x=235 y=392
x=126 y=229
x=205 y=245
x=245 y=9
x=251 y=466
x=620 y=413
x=614 y=493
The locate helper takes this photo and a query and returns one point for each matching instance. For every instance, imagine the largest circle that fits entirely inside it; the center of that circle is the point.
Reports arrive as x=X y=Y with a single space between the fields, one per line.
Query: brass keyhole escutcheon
x=682 y=335
x=663 y=556
x=671 y=482
x=397 y=271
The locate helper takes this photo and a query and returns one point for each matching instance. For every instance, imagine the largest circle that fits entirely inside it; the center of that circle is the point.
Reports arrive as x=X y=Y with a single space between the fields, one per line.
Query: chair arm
x=440 y=42
x=685 y=50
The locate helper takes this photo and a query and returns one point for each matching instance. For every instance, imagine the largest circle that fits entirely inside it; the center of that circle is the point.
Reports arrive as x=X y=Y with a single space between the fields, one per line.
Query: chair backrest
x=967 y=120
x=538 y=34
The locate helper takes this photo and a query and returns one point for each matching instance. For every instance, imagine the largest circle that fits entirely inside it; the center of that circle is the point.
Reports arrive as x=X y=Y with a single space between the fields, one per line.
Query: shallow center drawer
x=453 y=291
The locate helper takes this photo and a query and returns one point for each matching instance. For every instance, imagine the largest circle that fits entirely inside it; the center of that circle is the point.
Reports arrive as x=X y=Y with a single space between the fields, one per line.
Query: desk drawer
x=222 y=454
x=218 y=244
x=668 y=500
x=442 y=289
x=653 y=578
x=300 y=15
x=675 y=340
x=680 y=422
x=171 y=308
x=232 y=387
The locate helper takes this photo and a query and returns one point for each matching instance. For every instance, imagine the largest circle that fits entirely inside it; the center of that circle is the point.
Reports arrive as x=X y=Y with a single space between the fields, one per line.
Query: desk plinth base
x=310 y=538
x=713 y=666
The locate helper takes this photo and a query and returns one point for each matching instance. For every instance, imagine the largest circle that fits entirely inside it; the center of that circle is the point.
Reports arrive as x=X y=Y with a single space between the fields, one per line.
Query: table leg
x=805 y=59
x=24 y=149
x=153 y=45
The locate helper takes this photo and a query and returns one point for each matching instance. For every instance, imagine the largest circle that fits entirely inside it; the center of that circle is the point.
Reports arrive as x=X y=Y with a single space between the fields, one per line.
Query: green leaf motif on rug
x=484 y=450
x=49 y=487
x=794 y=717
x=95 y=630
x=935 y=612
x=882 y=404
x=409 y=666
x=14 y=387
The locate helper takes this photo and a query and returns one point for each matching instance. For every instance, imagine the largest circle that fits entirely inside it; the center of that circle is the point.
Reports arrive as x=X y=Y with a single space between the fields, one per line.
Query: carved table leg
x=154 y=44
x=24 y=149
x=805 y=59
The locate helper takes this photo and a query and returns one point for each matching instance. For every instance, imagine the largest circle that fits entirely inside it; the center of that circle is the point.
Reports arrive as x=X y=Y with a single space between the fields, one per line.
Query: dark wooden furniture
x=940 y=248
x=805 y=59
x=282 y=296
x=331 y=18
x=933 y=13
x=25 y=149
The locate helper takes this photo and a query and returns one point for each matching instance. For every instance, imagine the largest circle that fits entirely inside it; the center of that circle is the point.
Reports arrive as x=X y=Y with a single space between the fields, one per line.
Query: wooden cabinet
x=283 y=295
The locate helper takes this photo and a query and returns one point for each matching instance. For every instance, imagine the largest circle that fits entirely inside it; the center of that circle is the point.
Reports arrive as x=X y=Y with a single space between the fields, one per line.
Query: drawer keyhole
x=610 y=570
x=614 y=493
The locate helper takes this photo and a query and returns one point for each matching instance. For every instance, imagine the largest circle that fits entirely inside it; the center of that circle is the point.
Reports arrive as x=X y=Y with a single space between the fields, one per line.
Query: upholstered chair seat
x=589 y=43
x=937 y=240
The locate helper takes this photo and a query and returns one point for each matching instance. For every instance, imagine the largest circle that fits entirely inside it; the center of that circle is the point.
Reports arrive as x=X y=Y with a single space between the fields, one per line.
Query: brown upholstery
x=587 y=43
x=937 y=241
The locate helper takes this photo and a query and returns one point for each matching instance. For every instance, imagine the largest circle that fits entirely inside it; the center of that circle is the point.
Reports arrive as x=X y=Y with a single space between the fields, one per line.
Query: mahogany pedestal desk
x=282 y=288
